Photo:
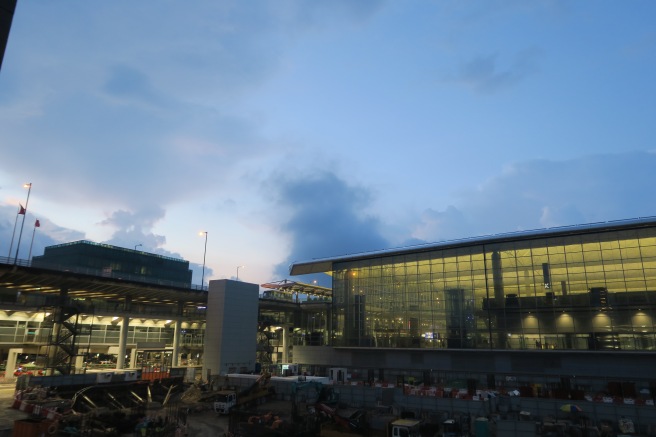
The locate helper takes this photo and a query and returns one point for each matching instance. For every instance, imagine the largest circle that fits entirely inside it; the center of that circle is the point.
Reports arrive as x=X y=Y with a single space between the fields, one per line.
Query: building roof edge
x=324 y=265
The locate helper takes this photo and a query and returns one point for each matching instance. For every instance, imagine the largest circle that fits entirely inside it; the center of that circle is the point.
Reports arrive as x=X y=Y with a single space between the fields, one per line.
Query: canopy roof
x=287 y=286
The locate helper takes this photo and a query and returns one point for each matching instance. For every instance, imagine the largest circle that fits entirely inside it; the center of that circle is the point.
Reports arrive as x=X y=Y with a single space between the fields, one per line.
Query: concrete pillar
x=52 y=351
x=285 y=345
x=133 y=358
x=79 y=363
x=231 y=327
x=122 y=343
x=176 y=344
x=11 y=362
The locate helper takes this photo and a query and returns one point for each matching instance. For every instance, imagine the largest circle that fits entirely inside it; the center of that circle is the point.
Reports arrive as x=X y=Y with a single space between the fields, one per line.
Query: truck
x=382 y=425
x=227 y=399
x=224 y=401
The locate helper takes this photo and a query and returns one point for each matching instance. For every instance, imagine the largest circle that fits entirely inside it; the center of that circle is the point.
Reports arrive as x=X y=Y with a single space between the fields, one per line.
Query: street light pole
x=202 y=279
x=137 y=245
x=20 y=235
x=239 y=267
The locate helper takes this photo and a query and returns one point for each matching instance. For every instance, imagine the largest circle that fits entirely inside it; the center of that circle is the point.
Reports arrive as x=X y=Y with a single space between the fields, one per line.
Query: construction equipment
x=225 y=400
x=346 y=419
x=304 y=395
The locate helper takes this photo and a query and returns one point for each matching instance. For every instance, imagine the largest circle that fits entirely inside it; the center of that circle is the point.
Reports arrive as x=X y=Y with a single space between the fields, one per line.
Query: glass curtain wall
x=593 y=291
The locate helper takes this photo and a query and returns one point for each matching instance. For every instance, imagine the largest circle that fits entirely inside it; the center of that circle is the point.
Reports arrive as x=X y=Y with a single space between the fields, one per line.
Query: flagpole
x=29 y=255
x=20 y=235
x=202 y=279
x=11 y=246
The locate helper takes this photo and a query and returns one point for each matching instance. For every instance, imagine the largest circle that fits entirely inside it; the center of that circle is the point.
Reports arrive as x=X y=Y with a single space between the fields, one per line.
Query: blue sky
x=291 y=130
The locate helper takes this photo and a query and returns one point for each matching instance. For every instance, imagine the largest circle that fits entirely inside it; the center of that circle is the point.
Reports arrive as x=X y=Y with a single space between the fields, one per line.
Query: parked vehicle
x=225 y=400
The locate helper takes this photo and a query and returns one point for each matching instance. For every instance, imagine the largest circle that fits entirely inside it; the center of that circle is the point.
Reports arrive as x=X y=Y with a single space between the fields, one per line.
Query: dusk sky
x=291 y=130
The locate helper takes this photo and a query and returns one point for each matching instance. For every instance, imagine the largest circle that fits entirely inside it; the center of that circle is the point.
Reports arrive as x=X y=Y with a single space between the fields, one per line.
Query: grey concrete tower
x=231 y=327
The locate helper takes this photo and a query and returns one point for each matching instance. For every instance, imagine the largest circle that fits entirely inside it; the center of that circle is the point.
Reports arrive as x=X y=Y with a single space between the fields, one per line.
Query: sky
x=293 y=130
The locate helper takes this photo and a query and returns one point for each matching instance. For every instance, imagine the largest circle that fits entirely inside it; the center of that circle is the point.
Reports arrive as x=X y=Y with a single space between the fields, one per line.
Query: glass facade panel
x=587 y=292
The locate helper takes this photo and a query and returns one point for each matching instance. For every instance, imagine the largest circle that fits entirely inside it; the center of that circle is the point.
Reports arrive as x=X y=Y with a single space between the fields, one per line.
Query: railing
x=197 y=340
x=13 y=261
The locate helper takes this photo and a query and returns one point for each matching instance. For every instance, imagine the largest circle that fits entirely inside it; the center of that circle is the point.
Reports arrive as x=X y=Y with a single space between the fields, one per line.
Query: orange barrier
x=152 y=376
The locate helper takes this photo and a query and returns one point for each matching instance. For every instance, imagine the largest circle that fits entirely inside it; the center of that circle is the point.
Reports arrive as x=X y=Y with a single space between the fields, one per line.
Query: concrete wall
x=231 y=327
x=643 y=416
x=608 y=365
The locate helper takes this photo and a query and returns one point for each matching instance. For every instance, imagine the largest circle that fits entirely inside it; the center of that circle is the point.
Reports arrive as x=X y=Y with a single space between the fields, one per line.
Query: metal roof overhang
x=325 y=265
x=306 y=268
x=298 y=287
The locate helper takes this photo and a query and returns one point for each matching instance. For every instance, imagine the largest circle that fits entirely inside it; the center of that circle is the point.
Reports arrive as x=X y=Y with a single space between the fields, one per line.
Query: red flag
x=21 y=211
x=37 y=224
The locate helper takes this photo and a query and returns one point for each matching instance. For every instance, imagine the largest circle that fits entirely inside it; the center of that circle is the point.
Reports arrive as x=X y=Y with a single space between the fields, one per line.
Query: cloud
x=122 y=107
x=451 y=221
x=133 y=230
x=321 y=13
x=547 y=193
x=323 y=214
x=130 y=230
x=131 y=85
x=158 y=96
x=324 y=218
x=47 y=234
x=484 y=75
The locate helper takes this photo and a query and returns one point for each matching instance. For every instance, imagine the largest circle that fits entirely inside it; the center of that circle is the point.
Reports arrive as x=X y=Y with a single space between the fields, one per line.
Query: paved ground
x=7 y=414
x=207 y=424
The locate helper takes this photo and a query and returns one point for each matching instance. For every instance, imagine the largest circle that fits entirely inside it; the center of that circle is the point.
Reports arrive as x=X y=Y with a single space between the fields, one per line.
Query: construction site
x=123 y=403
x=109 y=353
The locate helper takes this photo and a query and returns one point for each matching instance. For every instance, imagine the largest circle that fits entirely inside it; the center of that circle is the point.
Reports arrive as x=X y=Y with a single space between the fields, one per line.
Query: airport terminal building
x=565 y=311
x=551 y=304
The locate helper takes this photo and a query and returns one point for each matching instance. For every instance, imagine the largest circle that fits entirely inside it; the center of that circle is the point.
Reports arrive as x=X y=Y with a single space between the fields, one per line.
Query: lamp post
x=20 y=235
x=202 y=279
x=239 y=267
x=137 y=245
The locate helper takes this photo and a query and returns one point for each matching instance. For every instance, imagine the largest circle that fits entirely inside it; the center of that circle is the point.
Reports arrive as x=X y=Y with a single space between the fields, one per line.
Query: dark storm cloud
x=323 y=212
x=484 y=75
x=325 y=218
